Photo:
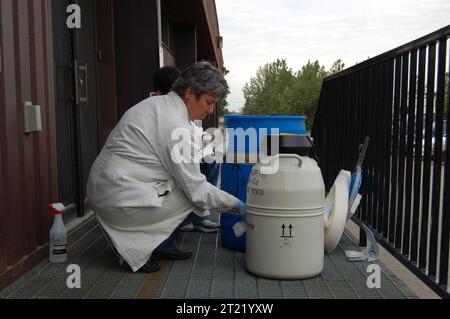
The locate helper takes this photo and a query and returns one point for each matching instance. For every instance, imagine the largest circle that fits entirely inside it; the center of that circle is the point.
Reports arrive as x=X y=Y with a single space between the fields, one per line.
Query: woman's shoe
x=150 y=266
x=204 y=226
x=174 y=254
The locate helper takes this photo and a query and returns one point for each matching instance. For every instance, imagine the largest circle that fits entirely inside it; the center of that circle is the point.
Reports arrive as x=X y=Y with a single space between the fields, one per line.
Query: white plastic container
x=285 y=219
x=58 y=235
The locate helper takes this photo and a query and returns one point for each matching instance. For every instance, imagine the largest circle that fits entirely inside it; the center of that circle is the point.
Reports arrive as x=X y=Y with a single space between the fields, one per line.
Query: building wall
x=210 y=11
x=27 y=161
x=128 y=41
x=137 y=50
x=185 y=44
x=106 y=69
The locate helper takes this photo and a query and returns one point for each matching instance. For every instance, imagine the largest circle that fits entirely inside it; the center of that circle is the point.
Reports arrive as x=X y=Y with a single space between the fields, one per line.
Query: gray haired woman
x=141 y=188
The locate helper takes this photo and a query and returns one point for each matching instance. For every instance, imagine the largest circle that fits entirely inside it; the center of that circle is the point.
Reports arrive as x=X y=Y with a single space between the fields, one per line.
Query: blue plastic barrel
x=285 y=125
x=234 y=177
x=227 y=236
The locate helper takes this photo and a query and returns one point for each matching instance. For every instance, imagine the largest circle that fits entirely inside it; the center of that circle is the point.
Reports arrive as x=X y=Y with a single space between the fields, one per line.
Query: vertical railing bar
x=319 y=135
x=401 y=153
x=344 y=128
x=323 y=143
x=338 y=116
x=329 y=131
x=335 y=130
x=379 y=143
x=314 y=130
x=370 y=159
x=324 y=139
x=423 y=249
x=357 y=118
x=395 y=130
x=353 y=93
x=344 y=120
x=383 y=137
x=335 y=106
x=418 y=171
x=388 y=149
x=363 y=132
x=351 y=122
x=376 y=131
x=382 y=148
x=410 y=152
x=443 y=263
x=325 y=146
x=437 y=171
x=330 y=125
x=331 y=154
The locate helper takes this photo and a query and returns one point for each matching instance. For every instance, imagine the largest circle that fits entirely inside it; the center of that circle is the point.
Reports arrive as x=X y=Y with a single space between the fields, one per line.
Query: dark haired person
x=163 y=79
x=139 y=189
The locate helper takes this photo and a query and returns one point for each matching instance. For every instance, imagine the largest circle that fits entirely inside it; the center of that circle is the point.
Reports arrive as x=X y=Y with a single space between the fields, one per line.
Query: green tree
x=222 y=108
x=263 y=93
x=222 y=105
x=304 y=95
x=337 y=66
x=277 y=90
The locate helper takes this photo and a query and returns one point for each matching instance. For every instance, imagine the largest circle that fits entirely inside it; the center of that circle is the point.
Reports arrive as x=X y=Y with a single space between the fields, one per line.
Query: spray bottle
x=58 y=235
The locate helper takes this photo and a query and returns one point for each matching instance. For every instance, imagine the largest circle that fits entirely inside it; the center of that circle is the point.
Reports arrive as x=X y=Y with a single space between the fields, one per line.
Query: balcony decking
x=213 y=272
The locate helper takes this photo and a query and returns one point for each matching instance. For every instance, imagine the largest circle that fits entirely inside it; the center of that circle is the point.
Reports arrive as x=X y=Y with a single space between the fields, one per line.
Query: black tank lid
x=291 y=144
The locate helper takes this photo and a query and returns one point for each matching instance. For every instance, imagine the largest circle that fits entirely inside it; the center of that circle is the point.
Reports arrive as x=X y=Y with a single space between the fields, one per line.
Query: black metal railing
x=400 y=100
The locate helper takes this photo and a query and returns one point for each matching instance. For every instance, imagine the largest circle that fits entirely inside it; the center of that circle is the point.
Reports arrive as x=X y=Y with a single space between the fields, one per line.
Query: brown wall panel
x=43 y=96
x=38 y=88
x=27 y=161
x=2 y=201
x=2 y=153
x=23 y=84
x=10 y=134
x=185 y=45
x=137 y=52
x=51 y=151
x=106 y=69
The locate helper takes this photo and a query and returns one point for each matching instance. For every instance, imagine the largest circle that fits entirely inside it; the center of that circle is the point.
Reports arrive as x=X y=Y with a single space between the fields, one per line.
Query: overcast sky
x=257 y=32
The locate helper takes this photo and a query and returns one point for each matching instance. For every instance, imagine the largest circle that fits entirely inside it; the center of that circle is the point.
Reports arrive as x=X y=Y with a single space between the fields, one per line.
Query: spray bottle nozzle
x=56 y=209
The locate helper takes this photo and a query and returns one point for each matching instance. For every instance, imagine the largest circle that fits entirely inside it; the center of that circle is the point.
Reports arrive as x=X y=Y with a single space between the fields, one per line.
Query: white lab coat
x=139 y=194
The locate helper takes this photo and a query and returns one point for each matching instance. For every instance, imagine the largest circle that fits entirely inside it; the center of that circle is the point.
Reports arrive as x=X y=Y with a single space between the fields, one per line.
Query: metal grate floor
x=213 y=272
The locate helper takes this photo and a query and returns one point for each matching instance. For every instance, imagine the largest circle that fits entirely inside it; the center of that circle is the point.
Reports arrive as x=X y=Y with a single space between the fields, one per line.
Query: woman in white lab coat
x=142 y=187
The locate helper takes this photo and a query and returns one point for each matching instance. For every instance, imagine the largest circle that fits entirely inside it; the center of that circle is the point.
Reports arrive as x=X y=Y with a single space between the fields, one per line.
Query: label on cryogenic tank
x=286 y=243
x=256 y=191
x=286 y=233
x=255 y=183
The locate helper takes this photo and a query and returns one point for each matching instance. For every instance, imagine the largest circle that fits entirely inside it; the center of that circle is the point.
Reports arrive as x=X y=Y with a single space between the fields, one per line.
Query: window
x=168 y=34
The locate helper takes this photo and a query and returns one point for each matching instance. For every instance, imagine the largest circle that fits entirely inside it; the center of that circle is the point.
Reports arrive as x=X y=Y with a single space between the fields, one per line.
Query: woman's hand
x=242 y=207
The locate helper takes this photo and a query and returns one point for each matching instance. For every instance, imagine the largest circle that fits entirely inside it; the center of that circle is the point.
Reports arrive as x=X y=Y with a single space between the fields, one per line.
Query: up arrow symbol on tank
x=284 y=229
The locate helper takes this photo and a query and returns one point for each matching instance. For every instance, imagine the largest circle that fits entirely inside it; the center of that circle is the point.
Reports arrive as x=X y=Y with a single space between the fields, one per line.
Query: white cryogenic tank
x=285 y=218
